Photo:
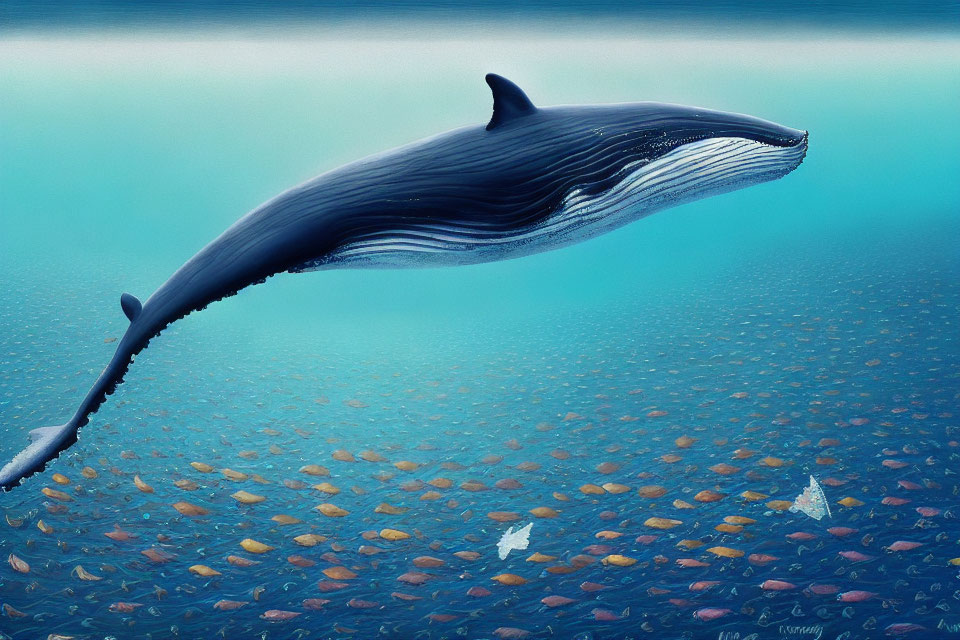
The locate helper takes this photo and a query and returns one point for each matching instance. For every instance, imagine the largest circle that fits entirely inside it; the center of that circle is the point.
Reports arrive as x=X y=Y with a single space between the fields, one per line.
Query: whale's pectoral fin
x=509 y=101
x=45 y=444
x=131 y=306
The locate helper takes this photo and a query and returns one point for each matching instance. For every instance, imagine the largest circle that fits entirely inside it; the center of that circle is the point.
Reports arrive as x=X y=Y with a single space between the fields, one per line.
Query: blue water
x=810 y=321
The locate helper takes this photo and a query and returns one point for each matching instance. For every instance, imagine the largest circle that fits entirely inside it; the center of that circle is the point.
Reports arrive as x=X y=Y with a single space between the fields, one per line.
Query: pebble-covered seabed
x=298 y=492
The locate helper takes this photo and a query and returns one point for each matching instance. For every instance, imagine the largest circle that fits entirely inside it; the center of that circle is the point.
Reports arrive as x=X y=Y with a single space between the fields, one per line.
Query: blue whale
x=531 y=180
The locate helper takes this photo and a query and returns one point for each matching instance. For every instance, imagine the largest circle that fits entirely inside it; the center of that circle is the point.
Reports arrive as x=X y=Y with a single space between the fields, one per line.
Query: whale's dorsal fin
x=131 y=306
x=509 y=101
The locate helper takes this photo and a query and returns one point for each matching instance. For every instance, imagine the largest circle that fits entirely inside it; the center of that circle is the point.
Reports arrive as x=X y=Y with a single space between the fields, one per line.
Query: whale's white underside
x=690 y=172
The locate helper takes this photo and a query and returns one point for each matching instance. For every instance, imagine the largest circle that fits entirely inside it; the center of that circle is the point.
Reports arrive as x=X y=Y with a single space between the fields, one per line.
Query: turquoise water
x=828 y=296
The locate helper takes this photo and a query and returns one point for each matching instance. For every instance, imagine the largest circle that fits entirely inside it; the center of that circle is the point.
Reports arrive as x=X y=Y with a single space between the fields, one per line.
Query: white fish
x=812 y=501
x=511 y=540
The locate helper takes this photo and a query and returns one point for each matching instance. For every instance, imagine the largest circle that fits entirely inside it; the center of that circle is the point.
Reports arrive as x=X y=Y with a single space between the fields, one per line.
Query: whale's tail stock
x=46 y=443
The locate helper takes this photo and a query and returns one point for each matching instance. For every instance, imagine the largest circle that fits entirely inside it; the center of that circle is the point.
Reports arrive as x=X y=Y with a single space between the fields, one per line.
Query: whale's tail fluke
x=45 y=444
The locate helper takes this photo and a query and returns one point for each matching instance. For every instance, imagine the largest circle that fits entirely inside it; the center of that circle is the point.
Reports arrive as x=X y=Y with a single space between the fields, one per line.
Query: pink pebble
x=904 y=545
x=903 y=628
x=557 y=601
x=801 y=535
x=278 y=615
x=823 y=589
x=405 y=596
x=413 y=577
x=355 y=603
x=777 y=585
x=710 y=613
x=604 y=615
x=690 y=563
x=703 y=585
x=442 y=617
x=598 y=549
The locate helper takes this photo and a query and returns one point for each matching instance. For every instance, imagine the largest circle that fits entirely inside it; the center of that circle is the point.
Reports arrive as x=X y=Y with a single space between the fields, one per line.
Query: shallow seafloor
x=742 y=344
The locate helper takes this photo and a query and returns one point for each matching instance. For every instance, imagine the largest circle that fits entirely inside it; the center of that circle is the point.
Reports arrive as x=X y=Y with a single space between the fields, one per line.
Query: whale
x=532 y=179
